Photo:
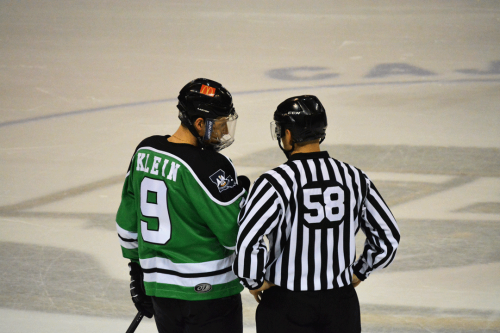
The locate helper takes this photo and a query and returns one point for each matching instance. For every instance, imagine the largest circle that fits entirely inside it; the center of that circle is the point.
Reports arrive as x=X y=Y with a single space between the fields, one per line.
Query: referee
x=310 y=208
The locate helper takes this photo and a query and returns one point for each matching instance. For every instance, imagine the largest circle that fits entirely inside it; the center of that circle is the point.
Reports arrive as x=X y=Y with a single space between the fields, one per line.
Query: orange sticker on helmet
x=206 y=90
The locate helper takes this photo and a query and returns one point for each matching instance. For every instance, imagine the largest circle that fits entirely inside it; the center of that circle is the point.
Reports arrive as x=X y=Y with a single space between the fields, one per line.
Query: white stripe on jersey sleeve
x=128 y=239
x=128 y=245
x=254 y=213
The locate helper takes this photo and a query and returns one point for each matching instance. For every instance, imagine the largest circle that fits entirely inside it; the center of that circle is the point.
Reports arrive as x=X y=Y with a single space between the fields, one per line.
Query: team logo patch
x=206 y=90
x=223 y=183
x=203 y=288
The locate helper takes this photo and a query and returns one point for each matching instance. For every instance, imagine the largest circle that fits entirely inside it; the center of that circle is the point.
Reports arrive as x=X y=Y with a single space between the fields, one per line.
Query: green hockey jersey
x=178 y=218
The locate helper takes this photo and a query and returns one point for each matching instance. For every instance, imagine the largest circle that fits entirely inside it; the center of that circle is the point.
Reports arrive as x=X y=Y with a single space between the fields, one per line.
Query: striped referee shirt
x=310 y=209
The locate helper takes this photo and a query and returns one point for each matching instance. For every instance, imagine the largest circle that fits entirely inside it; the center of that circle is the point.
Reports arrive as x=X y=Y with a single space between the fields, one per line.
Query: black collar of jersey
x=306 y=156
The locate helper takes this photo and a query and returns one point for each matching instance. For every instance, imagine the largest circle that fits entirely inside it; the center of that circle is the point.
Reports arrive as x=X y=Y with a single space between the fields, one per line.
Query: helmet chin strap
x=209 y=126
x=200 y=140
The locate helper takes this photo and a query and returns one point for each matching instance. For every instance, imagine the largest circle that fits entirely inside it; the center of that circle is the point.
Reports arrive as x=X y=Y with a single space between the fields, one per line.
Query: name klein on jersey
x=142 y=165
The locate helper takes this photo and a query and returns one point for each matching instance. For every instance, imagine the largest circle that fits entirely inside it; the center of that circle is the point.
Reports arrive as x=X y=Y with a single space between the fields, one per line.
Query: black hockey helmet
x=304 y=116
x=207 y=99
x=204 y=98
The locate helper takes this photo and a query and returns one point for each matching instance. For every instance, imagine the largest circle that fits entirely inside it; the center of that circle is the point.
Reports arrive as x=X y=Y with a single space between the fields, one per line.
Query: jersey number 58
x=323 y=206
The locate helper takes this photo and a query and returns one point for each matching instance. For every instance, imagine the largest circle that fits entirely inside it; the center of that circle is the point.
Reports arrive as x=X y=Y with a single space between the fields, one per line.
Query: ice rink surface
x=411 y=88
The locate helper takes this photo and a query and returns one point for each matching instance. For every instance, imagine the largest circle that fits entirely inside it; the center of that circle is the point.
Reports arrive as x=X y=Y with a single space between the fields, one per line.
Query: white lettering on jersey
x=165 y=162
x=146 y=163
x=140 y=165
x=156 y=162
x=172 y=175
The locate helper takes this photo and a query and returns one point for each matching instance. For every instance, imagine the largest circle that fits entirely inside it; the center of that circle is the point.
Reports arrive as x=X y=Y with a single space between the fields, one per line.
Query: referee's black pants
x=335 y=310
x=216 y=315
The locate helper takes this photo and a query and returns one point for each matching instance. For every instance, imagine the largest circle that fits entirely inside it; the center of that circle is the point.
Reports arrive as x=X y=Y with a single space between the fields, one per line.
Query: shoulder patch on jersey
x=223 y=183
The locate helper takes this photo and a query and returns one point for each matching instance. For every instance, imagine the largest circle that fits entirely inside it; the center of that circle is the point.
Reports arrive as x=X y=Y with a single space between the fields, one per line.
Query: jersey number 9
x=154 y=206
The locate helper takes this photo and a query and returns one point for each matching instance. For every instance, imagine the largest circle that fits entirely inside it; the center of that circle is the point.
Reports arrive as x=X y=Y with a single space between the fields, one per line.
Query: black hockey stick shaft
x=135 y=322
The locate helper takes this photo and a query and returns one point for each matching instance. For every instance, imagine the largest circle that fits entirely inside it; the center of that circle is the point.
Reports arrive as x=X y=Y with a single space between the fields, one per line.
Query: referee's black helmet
x=304 y=116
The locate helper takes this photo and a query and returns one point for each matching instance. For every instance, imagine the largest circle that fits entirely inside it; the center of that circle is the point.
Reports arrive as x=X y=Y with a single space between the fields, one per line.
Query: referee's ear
x=287 y=140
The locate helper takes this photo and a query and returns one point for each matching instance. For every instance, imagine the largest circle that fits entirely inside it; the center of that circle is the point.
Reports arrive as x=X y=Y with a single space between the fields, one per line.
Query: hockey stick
x=135 y=322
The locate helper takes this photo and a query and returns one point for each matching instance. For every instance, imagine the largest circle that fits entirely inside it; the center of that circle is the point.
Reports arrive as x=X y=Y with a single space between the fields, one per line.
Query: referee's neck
x=306 y=148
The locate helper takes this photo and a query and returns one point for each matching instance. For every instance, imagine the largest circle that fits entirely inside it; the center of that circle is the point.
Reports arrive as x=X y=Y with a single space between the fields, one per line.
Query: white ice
x=82 y=83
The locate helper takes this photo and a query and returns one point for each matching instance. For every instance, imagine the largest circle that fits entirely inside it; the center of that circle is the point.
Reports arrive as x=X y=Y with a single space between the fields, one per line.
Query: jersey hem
x=188 y=294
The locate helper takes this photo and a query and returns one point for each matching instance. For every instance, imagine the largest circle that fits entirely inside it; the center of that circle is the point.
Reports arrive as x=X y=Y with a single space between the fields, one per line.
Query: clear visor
x=219 y=132
x=275 y=130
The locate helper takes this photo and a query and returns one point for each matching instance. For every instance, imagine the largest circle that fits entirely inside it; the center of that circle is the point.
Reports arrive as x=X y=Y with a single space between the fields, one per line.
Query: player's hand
x=142 y=302
x=257 y=293
x=355 y=280
x=244 y=181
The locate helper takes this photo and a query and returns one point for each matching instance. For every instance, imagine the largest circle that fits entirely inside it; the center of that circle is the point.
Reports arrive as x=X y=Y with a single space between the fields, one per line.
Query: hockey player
x=310 y=208
x=177 y=221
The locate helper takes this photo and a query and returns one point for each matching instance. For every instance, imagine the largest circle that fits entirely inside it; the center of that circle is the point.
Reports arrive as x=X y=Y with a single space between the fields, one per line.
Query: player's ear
x=199 y=125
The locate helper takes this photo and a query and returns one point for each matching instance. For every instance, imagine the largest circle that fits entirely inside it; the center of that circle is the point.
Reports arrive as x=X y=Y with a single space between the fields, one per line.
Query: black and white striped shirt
x=310 y=208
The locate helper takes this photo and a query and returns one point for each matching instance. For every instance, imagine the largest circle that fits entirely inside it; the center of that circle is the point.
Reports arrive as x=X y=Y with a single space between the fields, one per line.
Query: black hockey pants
x=335 y=310
x=215 y=315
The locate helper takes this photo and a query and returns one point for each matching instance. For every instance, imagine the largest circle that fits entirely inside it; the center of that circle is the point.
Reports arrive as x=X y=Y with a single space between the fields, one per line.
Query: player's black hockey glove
x=244 y=182
x=141 y=301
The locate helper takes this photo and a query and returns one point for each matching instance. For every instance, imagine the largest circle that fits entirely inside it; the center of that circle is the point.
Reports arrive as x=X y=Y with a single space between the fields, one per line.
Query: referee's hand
x=257 y=293
x=355 y=280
